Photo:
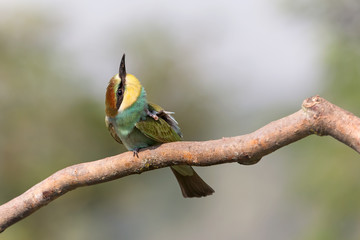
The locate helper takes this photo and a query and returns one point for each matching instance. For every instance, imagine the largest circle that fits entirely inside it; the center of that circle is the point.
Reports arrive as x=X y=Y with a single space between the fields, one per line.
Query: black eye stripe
x=120 y=94
x=121 y=83
x=122 y=75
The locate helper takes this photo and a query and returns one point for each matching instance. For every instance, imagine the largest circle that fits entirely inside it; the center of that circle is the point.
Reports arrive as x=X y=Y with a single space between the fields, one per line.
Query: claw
x=136 y=153
x=152 y=115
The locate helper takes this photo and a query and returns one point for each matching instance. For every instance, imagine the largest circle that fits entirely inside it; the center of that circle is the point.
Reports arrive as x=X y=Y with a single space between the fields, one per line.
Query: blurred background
x=226 y=68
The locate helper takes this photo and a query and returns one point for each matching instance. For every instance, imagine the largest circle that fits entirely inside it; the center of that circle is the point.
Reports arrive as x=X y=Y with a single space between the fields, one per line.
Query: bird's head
x=122 y=92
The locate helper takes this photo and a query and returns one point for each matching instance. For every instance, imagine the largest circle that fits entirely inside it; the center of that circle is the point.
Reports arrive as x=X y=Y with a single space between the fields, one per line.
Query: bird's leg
x=152 y=115
x=136 y=152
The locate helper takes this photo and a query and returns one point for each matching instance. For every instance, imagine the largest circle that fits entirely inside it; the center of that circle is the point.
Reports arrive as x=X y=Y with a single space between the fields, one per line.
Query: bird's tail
x=190 y=182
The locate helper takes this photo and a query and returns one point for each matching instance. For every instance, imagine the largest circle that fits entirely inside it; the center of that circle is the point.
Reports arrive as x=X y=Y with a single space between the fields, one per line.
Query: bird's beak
x=122 y=69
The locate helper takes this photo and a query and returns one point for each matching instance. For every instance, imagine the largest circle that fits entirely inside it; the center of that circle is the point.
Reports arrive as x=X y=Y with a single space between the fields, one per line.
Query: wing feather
x=158 y=130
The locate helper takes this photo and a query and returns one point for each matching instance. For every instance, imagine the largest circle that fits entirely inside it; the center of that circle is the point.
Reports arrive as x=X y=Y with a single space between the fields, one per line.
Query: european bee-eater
x=137 y=124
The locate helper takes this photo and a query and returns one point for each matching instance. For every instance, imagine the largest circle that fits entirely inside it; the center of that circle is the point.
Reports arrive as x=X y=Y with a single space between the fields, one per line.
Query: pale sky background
x=271 y=46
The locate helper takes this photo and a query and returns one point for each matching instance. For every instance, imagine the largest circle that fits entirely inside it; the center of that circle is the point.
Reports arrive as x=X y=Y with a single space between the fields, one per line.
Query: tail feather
x=192 y=185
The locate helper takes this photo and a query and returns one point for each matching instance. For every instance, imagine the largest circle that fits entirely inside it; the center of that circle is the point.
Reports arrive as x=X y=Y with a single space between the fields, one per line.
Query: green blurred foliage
x=327 y=172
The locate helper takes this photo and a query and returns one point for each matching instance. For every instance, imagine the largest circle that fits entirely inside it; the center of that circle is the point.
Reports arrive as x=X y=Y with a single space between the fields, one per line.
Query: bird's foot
x=136 y=152
x=152 y=115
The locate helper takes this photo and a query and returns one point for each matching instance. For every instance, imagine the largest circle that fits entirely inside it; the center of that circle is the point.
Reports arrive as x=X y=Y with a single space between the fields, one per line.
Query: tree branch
x=317 y=116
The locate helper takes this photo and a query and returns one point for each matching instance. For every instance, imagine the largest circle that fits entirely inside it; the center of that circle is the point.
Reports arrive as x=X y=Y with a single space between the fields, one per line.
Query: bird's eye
x=119 y=92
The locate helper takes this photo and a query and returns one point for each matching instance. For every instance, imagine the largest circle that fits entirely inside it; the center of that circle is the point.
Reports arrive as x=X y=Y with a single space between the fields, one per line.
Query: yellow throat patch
x=132 y=91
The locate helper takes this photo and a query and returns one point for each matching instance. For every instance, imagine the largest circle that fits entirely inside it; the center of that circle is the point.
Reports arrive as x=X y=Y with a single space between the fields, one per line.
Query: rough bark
x=317 y=116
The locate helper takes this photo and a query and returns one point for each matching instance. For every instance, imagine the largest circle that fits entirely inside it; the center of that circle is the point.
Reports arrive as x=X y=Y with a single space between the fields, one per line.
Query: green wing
x=158 y=130
x=163 y=130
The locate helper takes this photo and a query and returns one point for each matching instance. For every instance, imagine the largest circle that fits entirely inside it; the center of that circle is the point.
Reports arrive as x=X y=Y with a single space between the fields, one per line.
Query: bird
x=137 y=123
